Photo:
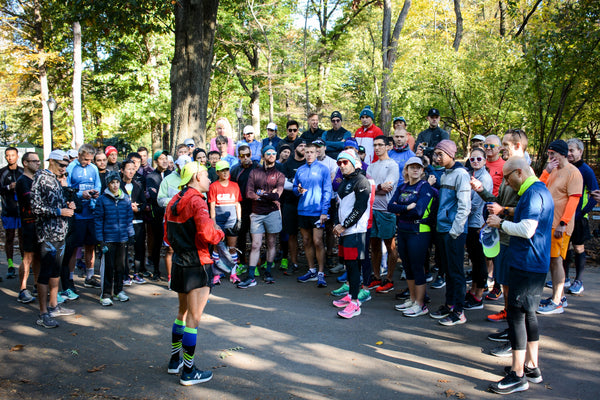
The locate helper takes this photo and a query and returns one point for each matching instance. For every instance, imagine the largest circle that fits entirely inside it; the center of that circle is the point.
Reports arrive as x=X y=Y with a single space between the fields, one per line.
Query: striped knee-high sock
x=176 y=337
x=215 y=255
x=189 y=347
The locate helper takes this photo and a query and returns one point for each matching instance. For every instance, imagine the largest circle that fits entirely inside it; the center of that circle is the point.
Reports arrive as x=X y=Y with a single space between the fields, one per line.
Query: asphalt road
x=283 y=341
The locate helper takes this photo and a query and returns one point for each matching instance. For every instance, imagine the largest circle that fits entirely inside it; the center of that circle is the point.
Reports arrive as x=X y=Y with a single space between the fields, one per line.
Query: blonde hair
x=405 y=173
x=224 y=122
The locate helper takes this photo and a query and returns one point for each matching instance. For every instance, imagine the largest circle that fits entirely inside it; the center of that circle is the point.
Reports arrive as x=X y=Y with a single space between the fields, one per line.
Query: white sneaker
x=106 y=301
x=406 y=305
x=121 y=296
x=338 y=268
x=415 y=310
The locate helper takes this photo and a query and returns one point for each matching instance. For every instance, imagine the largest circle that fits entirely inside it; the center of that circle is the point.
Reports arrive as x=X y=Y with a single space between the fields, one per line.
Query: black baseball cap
x=433 y=112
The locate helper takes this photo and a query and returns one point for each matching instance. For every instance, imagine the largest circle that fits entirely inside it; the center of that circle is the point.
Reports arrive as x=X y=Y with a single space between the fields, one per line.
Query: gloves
x=131 y=240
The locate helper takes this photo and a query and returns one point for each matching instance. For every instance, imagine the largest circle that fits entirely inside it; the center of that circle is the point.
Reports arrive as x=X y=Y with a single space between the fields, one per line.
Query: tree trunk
x=153 y=90
x=389 y=51
x=305 y=66
x=39 y=40
x=502 y=8
x=195 y=25
x=77 y=71
x=459 y=25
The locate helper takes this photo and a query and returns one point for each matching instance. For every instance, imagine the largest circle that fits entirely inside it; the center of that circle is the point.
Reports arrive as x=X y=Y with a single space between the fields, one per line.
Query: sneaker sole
x=354 y=314
x=246 y=287
x=478 y=307
x=520 y=388
x=384 y=291
x=436 y=316
x=498 y=340
x=175 y=371
x=46 y=326
x=438 y=287
x=555 y=311
x=194 y=381
x=416 y=314
x=26 y=301
x=308 y=280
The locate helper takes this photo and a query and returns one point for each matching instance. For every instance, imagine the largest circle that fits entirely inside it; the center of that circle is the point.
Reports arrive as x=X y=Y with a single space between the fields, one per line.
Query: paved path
x=286 y=343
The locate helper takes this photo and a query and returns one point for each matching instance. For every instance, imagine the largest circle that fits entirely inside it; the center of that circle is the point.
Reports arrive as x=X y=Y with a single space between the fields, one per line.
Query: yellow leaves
x=379 y=343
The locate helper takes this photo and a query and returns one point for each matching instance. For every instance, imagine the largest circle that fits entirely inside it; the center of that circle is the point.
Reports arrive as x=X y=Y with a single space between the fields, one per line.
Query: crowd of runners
x=359 y=203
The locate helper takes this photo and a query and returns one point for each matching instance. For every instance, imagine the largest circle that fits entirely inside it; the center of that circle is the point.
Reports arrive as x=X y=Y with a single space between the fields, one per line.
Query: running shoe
x=472 y=304
x=91 y=283
x=428 y=278
x=351 y=310
x=439 y=282
x=416 y=310
x=342 y=278
x=364 y=295
x=509 y=384
x=25 y=297
x=268 y=278
x=534 y=375
x=127 y=281
x=284 y=263
x=233 y=278
x=321 y=282
x=453 y=318
x=106 y=301
x=547 y=301
x=248 y=283
x=342 y=291
x=501 y=336
x=216 y=280
x=69 y=295
x=405 y=294
x=551 y=308
x=494 y=294
x=567 y=283
x=576 y=288
x=504 y=350
x=375 y=283
x=60 y=299
x=404 y=306
x=338 y=268
x=441 y=312
x=12 y=274
x=47 y=321
x=137 y=278
x=194 y=377
x=121 y=296
x=343 y=302
x=387 y=287
x=175 y=366
x=59 y=311
x=308 y=277
x=469 y=277
x=498 y=317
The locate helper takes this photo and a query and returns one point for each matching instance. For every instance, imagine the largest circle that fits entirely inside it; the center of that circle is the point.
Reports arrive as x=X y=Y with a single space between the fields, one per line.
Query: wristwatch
x=562 y=223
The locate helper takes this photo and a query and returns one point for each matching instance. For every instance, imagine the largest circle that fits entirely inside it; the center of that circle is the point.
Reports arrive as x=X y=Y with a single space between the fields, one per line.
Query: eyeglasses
x=507 y=176
x=249 y=133
x=270 y=153
x=478 y=159
x=342 y=162
x=490 y=146
x=33 y=161
x=292 y=130
x=336 y=120
x=438 y=154
x=190 y=145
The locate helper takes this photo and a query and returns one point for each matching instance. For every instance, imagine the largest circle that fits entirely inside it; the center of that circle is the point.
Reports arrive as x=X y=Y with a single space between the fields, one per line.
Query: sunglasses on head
x=478 y=159
x=342 y=162
x=490 y=146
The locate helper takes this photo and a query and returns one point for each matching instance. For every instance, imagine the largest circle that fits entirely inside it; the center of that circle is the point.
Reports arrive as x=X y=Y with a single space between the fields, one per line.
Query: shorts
x=353 y=247
x=384 y=225
x=271 y=223
x=559 y=247
x=290 y=213
x=84 y=232
x=581 y=233
x=185 y=279
x=30 y=240
x=51 y=257
x=308 y=221
x=525 y=289
x=501 y=266
x=11 y=222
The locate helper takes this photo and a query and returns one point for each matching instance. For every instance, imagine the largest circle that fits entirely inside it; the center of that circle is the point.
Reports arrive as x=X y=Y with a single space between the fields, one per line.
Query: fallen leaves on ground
x=17 y=347
x=227 y=353
x=379 y=343
x=96 y=369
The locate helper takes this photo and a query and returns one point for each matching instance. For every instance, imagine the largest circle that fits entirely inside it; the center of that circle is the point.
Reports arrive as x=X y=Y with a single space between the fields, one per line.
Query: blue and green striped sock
x=189 y=347
x=176 y=337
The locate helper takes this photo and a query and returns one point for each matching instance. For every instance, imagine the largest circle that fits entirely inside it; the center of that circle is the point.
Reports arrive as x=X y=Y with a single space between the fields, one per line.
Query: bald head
x=516 y=170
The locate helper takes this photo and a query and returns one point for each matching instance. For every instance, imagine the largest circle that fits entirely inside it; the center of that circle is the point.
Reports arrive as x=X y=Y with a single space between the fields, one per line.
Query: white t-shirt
x=382 y=171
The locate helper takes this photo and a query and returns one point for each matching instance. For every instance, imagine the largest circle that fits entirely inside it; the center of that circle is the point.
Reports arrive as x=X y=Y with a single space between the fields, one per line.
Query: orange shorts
x=560 y=246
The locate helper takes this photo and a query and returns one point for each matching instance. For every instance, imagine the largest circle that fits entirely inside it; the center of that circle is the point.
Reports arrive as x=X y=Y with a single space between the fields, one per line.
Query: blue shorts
x=11 y=222
x=384 y=225
x=84 y=233
x=501 y=267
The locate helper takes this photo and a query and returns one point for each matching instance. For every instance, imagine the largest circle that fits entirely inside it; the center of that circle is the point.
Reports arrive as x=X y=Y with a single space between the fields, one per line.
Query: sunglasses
x=490 y=146
x=292 y=130
x=270 y=153
x=249 y=133
x=478 y=159
x=190 y=145
x=63 y=165
x=343 y=162
x=336 y=120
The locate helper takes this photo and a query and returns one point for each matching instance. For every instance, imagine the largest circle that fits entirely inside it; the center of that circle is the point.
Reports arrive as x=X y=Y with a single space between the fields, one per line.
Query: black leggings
x=477 y=257
x=115 y=260
x=139 y=247
x=354 y=269
x=523 y=300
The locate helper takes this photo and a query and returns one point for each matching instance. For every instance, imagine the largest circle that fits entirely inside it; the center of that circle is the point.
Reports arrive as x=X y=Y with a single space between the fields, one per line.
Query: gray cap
x=58 y=155
x=478 y=137
x=414 y=160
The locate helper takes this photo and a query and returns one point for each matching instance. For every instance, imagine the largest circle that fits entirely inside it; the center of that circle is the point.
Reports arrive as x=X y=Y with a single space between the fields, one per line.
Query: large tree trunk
x=459 y=25
x=195 y=24
x=389 y=51
x=502 y=8
x=39 y=39
x=77 y=71
x=153 y=90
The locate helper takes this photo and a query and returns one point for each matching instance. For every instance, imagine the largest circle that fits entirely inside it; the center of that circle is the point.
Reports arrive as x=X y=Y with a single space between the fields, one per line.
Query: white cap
x=248 y=129
x=72 y=153
x=189 y=141
x=478 y=137
x=58 y=155
x=182 y=160
x=272 y=126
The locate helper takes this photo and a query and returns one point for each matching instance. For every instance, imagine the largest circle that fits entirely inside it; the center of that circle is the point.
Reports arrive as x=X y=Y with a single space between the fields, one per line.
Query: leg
x=293 y=246
x=392 y=260
x=375 y=244
x=309 y=247
x=90 y=259
x=579 y=251
x=254 y=253
x=271 y=247
x=558 y=278
x=319 y=246
x=9 y=246
x=168 y=260
x=196 y=301
x=24 y=269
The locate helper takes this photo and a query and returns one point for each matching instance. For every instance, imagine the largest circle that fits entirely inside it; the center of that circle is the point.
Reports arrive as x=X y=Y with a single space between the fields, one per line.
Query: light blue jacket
x=477 y=203
x=84 y=178
x=316 y=179
x=455 y=201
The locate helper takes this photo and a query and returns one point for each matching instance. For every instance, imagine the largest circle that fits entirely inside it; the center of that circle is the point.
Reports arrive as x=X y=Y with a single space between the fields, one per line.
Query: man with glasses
x=292 y=138
x=51 y=212
x=29 y=242
x=312 y=184
x=430 y=137
x=265 y=187
x=191 y=145
x=494 y=162
x=255 y=145
x=335 y=137
x=272 y=139
x=10 y=209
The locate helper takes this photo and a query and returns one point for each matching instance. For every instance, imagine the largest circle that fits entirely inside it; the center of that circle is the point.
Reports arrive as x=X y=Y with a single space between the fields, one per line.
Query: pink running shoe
x=343 y=302
x=351 y=310
x=217 y=280
x=233 y=278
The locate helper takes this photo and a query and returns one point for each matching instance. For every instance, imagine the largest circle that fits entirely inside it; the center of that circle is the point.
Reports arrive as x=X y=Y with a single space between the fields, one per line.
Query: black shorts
x=84 y=232
x=525 y=289
x=353 y=247
x=289 y=218
x=186 y=279
x=30 y=240
x=51 y=256
x=308 y=221
x=581 y=233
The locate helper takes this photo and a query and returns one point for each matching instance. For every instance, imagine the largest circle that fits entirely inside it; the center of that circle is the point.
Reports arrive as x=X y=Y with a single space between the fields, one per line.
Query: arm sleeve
x=544 y=177
x=570 y=208
x=296 y=184
x=97 y=181
x=590 y=184
x=393 y=205
x=130 y=231
x=279 y=186
x=38 y=205
x=524 y=228
x=361 y=203
x=205 y=227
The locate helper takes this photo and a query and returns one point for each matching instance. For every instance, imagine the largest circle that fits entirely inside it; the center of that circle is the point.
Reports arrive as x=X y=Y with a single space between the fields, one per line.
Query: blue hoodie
x=401 y=155
x=84 y=178
x=455 y=201
x=316 y=179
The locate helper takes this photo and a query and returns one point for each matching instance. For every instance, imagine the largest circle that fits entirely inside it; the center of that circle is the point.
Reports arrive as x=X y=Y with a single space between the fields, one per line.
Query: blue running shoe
x=342 y=278
x=551 y=308
x=576 y=288
x=194 y=377
x=308 y=277
x=175 y=366
x=321 y=281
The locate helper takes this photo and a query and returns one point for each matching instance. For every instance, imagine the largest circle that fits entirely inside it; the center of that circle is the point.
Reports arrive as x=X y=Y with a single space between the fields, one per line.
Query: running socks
x=189 y=347
x=176 y=338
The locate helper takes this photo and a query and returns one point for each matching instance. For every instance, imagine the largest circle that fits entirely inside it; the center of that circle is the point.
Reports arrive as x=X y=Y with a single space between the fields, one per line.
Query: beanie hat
x=110 y=149
x=368 y=112
x=347 y=155
x=351 y=142
x=268 y=147
x=336 y=114
x=112 y=176
x=447 y=146
x=559 y=146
